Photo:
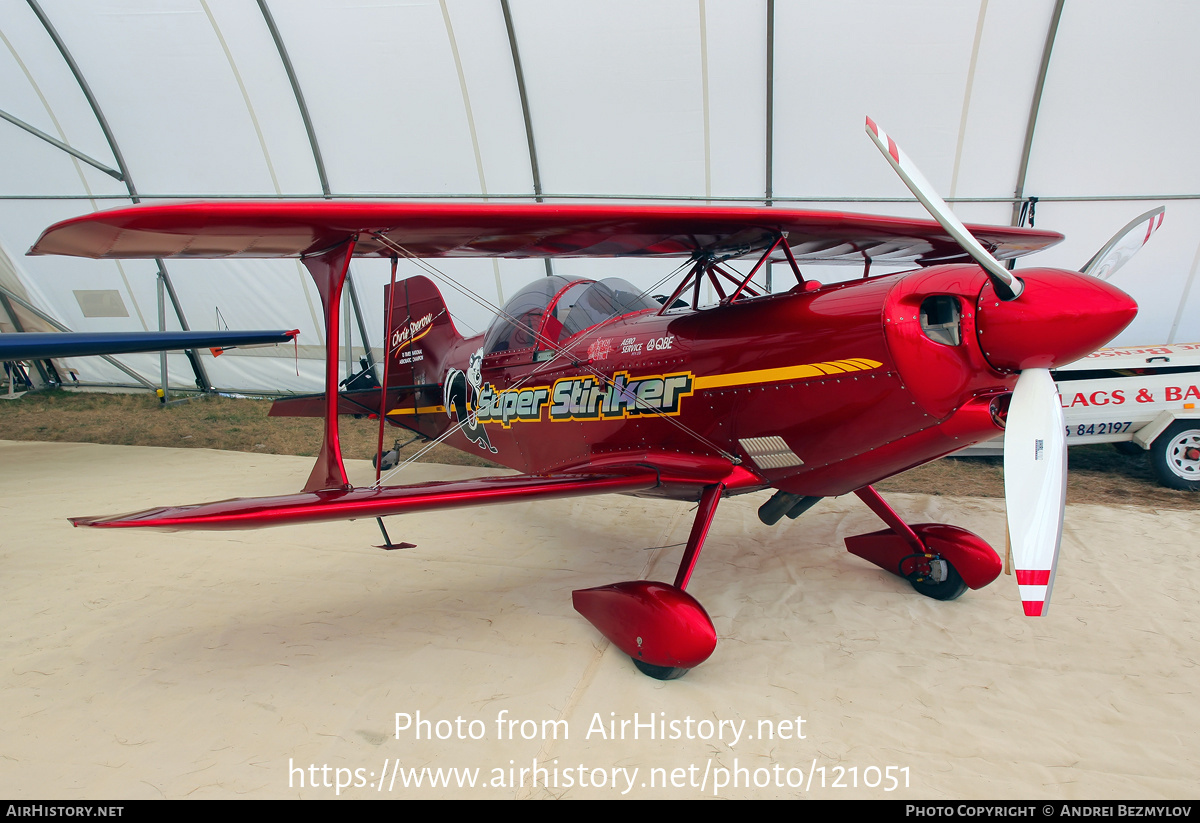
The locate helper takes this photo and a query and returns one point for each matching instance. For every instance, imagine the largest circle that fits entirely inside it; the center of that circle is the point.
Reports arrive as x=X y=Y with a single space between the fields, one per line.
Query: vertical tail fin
x=421 y=332
x=420 y=339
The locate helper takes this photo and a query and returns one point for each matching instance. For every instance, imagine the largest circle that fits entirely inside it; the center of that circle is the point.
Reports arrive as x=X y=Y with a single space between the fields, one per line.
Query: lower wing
x=350 y=504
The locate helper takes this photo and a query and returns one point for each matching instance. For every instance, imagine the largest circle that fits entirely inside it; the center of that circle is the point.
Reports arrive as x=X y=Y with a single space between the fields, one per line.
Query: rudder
x=420 y=332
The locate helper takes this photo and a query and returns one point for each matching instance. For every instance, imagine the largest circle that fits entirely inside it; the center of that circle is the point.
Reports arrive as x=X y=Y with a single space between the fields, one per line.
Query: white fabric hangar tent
x=1087 y=106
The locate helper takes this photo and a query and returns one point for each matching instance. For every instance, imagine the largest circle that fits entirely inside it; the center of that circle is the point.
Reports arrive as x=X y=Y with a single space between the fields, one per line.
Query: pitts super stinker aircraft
x=590 y=387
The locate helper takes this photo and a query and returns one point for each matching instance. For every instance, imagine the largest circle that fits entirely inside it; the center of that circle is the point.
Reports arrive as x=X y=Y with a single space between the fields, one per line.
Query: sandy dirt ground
x=284 y=662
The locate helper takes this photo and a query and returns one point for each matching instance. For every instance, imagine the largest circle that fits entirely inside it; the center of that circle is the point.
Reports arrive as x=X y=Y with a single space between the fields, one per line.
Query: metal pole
x=349 y=341
x=16 y=324
x=54 y=141
x=162 y=326
x=1035 y=104
x=524 y=97
x=201 y=375
x=770 y=170
x=319 y=162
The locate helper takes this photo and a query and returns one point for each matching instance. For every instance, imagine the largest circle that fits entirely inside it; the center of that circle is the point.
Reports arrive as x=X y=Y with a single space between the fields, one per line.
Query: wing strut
x=709 y=265
x=328 y=270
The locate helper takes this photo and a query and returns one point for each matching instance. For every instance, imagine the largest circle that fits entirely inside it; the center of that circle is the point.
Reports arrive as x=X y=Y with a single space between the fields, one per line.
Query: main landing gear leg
x=939 y=561
x=661 y=627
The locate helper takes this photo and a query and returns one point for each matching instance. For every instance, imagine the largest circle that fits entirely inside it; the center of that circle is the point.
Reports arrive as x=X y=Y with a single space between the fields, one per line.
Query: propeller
x=1007 y=286
x=1033 y=326
x=1035 y=484
x=1124 y=245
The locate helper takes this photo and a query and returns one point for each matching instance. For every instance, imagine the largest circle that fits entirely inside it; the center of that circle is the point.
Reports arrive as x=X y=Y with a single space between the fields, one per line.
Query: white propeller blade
x=921 y=187
x=1035 y=484
x=1124 y=245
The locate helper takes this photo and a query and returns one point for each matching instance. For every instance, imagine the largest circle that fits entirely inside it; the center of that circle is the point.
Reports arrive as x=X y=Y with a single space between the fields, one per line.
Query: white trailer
x=1145 y=397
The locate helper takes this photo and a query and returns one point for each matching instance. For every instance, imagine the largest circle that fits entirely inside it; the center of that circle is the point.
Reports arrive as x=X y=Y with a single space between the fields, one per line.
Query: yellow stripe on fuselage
x=420 y=410
x=743 y=378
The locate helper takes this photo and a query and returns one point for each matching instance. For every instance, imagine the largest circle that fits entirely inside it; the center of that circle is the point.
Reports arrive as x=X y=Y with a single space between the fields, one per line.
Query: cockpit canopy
x=551 y=309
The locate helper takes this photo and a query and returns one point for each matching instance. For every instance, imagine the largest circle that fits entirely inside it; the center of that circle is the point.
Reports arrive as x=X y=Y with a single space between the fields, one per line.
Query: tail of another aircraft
x=420 y=338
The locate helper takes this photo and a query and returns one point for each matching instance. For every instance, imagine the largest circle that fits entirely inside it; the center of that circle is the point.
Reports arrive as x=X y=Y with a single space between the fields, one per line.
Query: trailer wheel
x=1176 y=456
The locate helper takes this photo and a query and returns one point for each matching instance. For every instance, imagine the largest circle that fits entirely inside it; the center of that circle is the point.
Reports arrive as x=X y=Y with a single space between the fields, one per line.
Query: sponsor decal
x=1173 y=348
x=410 y=331
x=600 y=349
x=1117 y=397
x=587 y=398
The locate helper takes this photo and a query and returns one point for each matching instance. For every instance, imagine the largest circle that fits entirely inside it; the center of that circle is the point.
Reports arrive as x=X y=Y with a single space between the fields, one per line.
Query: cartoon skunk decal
x=461 y=396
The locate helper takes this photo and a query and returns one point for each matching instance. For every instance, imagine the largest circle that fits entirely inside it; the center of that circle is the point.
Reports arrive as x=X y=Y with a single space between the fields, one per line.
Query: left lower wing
x=350 y=504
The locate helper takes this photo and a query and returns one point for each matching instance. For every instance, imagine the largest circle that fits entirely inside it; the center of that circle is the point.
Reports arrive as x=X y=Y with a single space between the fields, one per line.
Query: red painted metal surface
x=328 y=271
x=975 y=560
x=1061 y=317
x=704 y=515
x=312 y=507
x=652 y=622
x=887 y=514
x=290 y=229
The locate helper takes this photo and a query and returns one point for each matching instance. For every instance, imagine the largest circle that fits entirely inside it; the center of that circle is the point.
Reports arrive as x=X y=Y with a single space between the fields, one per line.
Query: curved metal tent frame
x=723 y=87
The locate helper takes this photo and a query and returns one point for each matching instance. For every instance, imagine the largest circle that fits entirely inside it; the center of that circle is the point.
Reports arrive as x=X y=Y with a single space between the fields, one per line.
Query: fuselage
x=816 y=391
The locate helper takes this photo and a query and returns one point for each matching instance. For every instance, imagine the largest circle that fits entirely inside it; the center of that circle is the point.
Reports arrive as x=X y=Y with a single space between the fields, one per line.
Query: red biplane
x=590 y=387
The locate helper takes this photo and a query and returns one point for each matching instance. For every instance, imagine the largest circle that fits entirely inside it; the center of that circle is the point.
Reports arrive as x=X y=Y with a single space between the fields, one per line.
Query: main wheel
x=1176 y=455
x=951 y=588
x=659 y=672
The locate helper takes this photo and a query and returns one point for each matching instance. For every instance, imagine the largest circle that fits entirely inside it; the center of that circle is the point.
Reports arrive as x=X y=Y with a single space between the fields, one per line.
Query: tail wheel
x=390 y=459
x=1176 y=456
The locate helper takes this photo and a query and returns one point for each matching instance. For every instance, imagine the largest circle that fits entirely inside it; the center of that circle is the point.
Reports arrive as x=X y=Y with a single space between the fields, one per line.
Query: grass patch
x=206 y=422
x=1098 y=473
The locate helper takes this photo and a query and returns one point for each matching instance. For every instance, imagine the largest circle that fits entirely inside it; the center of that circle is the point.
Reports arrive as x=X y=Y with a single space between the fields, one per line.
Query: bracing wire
x=558 y=350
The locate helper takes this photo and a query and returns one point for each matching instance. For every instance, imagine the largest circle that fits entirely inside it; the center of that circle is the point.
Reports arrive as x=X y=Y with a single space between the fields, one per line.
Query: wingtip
x=871 y=127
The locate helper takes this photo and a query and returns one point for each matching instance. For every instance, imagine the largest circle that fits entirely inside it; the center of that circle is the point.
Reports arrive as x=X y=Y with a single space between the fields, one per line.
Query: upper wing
x=41 y=345
x=290 y=229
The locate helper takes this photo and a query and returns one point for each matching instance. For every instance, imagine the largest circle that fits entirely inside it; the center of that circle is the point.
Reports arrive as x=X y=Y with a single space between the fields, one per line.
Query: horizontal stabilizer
x=351 y=504
x=44 y=345
x=360 y=402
